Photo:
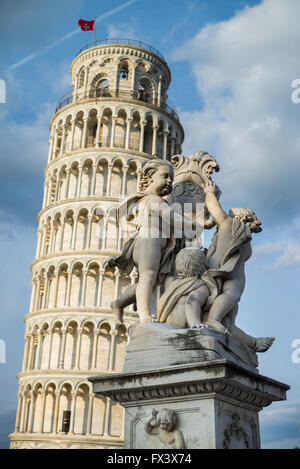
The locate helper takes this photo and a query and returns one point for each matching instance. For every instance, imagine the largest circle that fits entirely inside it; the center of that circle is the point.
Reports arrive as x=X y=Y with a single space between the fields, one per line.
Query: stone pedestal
x=215 y=401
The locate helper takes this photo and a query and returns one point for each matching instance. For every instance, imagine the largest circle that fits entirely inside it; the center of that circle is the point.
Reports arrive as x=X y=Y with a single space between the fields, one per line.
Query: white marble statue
x=181 y=303
x=148 y=248
x=185 y=302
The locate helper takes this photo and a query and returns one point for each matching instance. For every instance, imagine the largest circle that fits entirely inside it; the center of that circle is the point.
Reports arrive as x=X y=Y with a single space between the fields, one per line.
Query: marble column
x=74 y=232
x=100 y=285
x=38 y=294
x=68 y=173
x=142 y=134
x=61 y=241
x=55 y=144
x=23 y=413
x=78 y=188
x=99 y=118
x=111 y=363
x=89 y=232
x=90 y=414
x=165 y=145
x=83 y=293
x=56 y=410
x=154 y=140
x=84 y=132
x=26 y=352
x=51 y=141
x=94 y=166
x=159 y=90
x=30 y=354
x=113 y=126
x=110 y=167
x=50 y=349
x=32 y=411
x=63 y=139
x=46 y=282
x=69 y=286
x=18 y=415
x=125 y=169
x=107 y=417
x=128 y=122
x=95 y=348
x=73 y=125
x=44 y=395
x=56 y=276
x=72 y=421
x=78 y=348
x=61 y=360
x=38 y=349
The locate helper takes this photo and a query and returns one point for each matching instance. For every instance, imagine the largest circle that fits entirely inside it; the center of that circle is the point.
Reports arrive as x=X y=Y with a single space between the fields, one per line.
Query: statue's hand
x=209 y=186
x=209 y=224
x=153 y=413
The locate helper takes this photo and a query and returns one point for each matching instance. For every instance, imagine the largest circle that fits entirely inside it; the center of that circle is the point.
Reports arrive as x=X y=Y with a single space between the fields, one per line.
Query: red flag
x=87 y=25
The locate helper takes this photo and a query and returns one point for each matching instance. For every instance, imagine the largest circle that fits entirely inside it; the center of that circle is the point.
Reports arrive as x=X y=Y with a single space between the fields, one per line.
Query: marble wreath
x=201 y=288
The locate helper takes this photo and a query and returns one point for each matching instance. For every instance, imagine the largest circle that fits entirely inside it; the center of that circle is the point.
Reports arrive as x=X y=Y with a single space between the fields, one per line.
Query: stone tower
x=115 y=119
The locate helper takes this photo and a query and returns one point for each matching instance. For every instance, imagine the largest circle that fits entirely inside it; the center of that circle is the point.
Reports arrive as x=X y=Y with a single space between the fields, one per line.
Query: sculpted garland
x=201 y=287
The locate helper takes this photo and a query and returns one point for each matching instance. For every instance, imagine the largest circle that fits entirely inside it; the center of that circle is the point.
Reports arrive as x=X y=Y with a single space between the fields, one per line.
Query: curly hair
x=190 y=262
x=241 y=213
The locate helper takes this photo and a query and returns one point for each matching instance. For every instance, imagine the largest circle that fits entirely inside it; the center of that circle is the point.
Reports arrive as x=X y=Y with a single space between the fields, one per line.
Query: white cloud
x=25 y=146
x=288 y=253
x=127 y=30
x=244 y=68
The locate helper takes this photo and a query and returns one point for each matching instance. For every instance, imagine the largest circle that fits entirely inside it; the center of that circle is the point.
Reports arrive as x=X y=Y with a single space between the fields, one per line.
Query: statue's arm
x=213 y=205
x=151 y=425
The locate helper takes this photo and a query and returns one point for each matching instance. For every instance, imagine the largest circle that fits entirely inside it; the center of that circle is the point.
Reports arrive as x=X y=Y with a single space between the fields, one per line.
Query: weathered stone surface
x=216 y=403
x=155 y=346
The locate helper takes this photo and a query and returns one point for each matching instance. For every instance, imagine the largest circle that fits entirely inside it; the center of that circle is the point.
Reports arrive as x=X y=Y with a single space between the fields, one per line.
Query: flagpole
x=94 y=31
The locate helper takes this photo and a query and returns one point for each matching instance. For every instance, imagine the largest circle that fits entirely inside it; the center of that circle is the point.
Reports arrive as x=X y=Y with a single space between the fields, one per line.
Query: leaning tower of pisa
x=115 y=119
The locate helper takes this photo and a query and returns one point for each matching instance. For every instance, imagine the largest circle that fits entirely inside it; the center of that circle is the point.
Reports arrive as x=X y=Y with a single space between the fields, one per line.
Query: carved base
x=42 y=441
x=216 y=404
x=154 y=346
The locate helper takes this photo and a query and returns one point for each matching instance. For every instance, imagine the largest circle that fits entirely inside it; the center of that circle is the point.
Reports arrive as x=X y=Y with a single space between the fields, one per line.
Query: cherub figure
x=162 y=424
x=226 y=257
x=150 y=249
x=181 y=303
x=184 y=302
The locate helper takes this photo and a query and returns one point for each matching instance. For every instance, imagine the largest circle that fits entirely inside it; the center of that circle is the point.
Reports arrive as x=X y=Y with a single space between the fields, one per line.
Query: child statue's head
x=166 y=419
x=190 y=262
x=248 y=217
x=157 y=176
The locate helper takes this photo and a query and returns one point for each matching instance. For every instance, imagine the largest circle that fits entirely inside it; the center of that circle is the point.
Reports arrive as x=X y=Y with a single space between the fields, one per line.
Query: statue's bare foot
x=217 y=326
x=146 y=317
x=117 y=311
x=262 y=344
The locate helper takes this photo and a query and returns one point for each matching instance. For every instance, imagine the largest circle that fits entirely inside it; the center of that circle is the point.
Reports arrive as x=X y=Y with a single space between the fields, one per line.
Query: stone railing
x=107 y=94
x=122 y=42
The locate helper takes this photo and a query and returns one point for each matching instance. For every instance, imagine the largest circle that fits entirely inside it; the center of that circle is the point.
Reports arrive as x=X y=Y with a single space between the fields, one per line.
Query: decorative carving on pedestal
x=235 y=431
x=162 y=424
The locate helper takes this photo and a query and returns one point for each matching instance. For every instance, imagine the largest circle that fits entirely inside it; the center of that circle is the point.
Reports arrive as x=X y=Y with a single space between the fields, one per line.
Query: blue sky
x=232 y=65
